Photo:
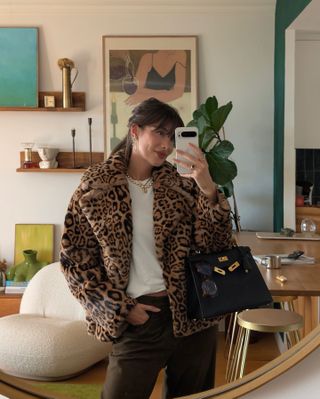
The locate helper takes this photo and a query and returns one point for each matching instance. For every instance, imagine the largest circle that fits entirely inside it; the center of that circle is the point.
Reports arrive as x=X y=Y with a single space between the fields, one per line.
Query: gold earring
x=134 y=142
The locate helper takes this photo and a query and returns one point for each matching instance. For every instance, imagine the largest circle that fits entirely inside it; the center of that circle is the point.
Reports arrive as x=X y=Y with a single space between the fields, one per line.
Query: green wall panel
x=286 y=12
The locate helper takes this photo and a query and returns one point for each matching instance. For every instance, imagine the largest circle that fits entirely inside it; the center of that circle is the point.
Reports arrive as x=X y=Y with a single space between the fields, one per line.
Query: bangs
x=168 y=123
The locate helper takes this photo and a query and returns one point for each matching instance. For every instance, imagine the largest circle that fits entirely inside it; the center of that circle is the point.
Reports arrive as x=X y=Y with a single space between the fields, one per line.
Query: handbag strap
x=246 y=257
x=245 y=251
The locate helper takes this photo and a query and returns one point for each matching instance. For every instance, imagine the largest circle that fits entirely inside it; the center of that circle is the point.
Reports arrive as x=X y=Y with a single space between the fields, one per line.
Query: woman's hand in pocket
x=138 y=314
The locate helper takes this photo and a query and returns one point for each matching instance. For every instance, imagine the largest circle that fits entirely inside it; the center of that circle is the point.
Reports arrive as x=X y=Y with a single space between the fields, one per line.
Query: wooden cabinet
x=9 y=304
x=310 y=212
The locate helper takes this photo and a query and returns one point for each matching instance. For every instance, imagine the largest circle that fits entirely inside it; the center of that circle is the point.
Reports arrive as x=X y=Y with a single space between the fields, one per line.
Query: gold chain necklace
x=144 y=186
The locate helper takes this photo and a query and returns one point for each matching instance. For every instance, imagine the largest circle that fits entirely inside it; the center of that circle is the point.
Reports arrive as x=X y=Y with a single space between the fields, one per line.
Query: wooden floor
x=259 y=353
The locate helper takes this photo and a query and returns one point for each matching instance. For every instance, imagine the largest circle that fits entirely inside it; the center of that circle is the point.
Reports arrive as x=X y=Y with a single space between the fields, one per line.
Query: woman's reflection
x=128 y=229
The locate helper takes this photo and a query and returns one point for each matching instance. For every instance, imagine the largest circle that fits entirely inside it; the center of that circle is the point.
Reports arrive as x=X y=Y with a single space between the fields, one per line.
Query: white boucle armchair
x=48 y=339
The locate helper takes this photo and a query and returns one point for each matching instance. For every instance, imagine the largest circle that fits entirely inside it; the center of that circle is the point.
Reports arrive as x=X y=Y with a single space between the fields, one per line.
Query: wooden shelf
x=65 y=162
x=49 y=170
x=78 y=99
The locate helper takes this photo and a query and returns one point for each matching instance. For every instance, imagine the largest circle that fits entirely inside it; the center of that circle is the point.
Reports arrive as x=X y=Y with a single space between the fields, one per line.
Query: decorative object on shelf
x=25 y=270
x=15 y=287
x=28 y=163
x=67 y=65
x=48 y=156
x=90 y=139
x=49 y=101
x=73 y=135
x=3 y=268
x=286 y=231
x=305 y=188
x=299 y=200
x=308 y=227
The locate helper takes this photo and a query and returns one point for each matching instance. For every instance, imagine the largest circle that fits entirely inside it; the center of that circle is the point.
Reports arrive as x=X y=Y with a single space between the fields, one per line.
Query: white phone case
x=184 y=136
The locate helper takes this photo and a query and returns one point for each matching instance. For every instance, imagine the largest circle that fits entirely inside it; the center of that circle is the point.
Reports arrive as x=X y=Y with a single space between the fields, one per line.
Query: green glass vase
x=25 y=270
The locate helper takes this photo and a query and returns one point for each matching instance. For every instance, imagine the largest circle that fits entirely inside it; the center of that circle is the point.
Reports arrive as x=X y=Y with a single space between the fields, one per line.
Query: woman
x=128 y=229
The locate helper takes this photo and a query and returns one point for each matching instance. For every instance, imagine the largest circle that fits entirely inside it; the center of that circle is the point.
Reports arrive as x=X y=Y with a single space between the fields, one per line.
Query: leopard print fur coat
x=96 y=245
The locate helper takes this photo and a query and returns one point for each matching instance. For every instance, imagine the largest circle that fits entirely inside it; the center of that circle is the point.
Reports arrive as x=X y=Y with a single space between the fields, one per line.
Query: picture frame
x=49 y=101
x=19 y=67
x=138 y=67
x=39 y=237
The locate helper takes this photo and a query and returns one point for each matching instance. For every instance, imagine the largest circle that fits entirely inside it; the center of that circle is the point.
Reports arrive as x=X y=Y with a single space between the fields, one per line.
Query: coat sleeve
x=83 y=267
x=213 y=226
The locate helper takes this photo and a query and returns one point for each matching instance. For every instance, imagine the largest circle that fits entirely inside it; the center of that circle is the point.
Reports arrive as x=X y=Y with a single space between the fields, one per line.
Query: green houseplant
x=209 y=118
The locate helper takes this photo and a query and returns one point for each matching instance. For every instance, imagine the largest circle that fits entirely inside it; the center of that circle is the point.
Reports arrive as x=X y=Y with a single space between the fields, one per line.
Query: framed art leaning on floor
x=136 y=68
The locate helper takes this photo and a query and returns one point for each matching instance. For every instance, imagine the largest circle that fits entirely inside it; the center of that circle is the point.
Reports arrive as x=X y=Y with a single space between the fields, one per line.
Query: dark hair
x=150 y=112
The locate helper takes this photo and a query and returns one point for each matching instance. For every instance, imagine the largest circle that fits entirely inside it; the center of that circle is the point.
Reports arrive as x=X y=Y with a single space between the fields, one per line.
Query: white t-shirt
x=145 y=271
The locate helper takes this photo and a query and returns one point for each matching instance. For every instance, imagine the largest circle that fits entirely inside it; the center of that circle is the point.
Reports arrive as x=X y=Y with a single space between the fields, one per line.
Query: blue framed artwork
x=18 y=67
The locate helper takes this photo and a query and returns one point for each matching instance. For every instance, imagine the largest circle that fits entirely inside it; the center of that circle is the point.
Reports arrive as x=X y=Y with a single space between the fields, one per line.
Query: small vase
x=25 y=270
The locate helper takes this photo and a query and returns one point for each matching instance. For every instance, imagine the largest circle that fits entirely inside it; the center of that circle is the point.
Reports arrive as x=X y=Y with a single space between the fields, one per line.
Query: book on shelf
x=15 y=287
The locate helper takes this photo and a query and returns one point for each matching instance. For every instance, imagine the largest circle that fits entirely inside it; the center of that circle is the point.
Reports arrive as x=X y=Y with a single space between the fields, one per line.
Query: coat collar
x=113 y=171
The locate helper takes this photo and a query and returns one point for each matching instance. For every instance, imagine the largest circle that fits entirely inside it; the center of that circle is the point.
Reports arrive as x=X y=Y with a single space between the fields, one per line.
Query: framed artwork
x=39 y=237
x=19 y=67
x=136 y=68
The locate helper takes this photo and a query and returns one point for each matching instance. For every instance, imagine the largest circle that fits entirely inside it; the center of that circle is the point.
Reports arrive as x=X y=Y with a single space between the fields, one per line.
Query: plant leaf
x=192 y=123
x=204 y=113
x=201 y=123
x=207 y=137
x=222 y=170
x=218 y=117
x=196 y=114
x=228 y=189
x=211 y=104
x=224 y=148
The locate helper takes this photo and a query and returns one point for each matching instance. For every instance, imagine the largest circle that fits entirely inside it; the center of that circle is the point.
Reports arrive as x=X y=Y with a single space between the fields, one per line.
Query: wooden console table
x=9 y=304
x=302 y=279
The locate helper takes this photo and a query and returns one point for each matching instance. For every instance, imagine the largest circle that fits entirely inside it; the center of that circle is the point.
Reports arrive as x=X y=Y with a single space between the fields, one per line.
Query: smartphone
x=184 y=136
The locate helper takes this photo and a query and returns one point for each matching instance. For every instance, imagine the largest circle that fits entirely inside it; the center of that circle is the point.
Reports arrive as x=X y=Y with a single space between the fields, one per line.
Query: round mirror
x=270 y=373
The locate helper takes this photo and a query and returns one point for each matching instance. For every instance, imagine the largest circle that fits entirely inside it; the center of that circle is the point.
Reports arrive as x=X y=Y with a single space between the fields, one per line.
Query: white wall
x=307 y=98
x=236 y=42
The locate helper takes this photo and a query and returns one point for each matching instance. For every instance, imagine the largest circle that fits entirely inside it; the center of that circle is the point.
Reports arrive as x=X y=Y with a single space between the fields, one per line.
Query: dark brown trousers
x=142 y=351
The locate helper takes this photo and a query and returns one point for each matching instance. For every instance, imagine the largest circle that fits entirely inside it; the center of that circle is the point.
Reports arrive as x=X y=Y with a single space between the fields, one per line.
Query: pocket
x=136 y=328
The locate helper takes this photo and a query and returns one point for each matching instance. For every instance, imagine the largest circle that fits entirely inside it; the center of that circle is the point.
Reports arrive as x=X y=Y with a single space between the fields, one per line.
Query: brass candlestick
x=73 y=134
x=90 y=139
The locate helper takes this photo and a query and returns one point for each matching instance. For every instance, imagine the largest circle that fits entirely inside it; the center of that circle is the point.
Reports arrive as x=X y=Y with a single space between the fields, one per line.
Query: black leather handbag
x=224 y=282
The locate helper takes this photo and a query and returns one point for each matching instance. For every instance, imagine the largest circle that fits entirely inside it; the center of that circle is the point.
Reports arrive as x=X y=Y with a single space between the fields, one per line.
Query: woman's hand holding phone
x=191 y=162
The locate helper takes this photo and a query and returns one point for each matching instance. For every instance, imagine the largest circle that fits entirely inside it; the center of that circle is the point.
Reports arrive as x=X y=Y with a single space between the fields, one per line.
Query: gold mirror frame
x=12 y=386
